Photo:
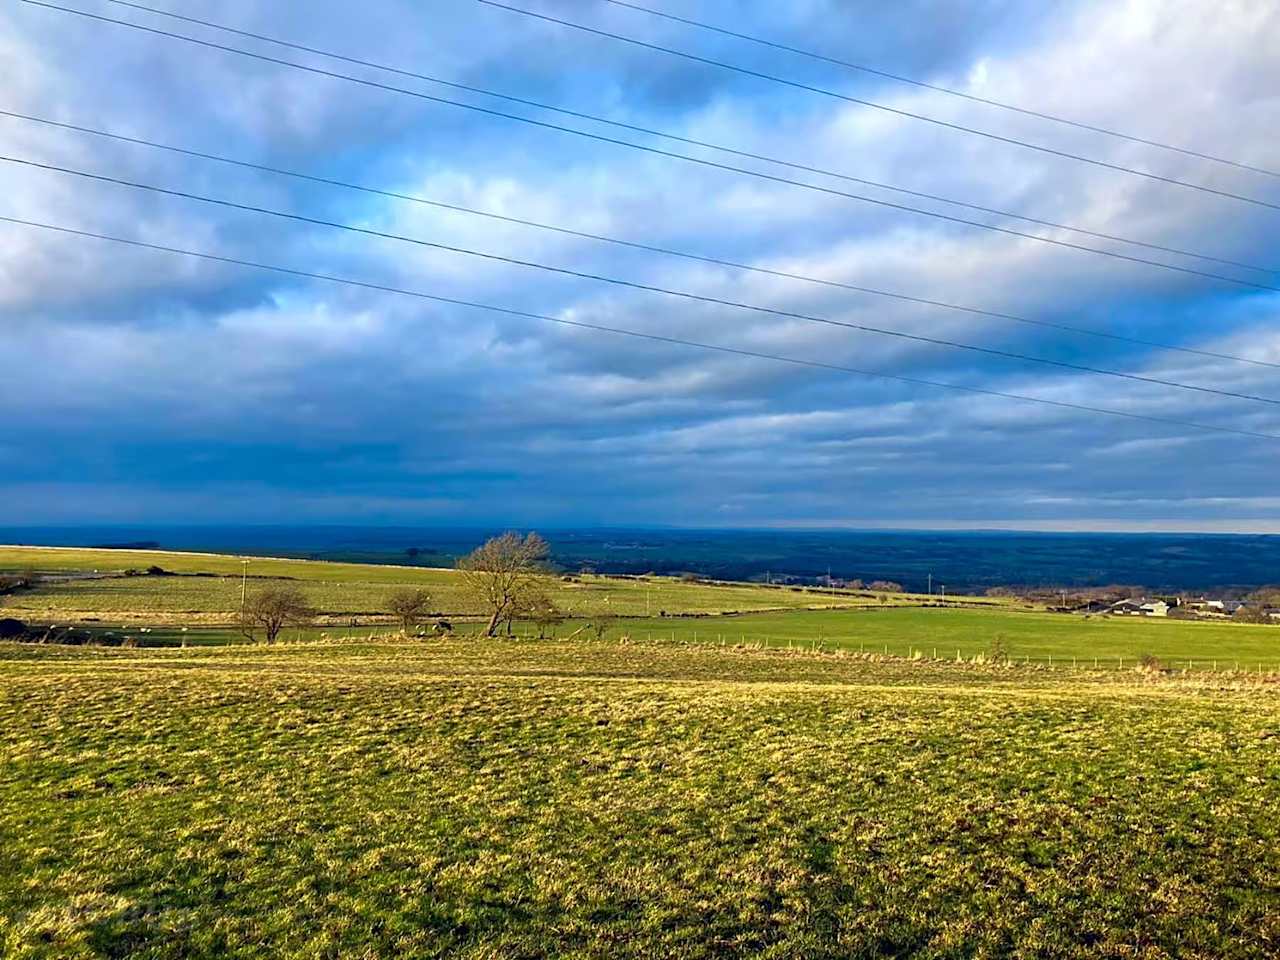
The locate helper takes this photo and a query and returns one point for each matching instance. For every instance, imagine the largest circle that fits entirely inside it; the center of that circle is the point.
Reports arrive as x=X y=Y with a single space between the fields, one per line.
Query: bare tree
x=410 y=606
x=271 y=609
x=539 y=608
x=1252 y=613
x=503 y=574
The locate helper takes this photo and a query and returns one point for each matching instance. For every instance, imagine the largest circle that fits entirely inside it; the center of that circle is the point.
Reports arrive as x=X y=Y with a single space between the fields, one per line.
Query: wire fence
x=971 y=654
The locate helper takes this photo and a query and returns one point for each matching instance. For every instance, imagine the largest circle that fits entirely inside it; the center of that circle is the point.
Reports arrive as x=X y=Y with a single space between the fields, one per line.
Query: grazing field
x=944 y=632
x=209 y=586
x=352 y=600
x=504 y=799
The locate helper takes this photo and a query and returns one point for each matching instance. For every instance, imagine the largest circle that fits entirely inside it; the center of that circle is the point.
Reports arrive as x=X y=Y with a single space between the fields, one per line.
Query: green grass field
x=343 y=590
x=944 y=632
x=762 y=615
x=522 y=799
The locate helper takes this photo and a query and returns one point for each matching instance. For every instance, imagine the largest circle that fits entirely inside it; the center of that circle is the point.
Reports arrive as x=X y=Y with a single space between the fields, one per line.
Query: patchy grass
x=579 y=800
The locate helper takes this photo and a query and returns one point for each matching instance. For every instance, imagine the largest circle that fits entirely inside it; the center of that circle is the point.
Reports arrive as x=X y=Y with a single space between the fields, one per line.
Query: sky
x=142 y=386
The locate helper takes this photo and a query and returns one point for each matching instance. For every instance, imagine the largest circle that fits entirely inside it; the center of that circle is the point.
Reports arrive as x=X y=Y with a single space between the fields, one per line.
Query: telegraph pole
x=244 y=585
x=931 y=584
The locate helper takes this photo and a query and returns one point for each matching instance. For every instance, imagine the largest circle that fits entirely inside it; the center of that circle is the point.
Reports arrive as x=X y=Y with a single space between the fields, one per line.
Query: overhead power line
x=911 y=115
x=679 y=139
x=634 y=285
x=938 y=88
x=636 y=334
x=701 y=161
x=630 y=244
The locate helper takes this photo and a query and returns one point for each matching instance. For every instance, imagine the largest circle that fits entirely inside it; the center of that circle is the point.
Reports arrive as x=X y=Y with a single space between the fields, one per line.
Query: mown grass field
x=508 y=799
x=948 y=632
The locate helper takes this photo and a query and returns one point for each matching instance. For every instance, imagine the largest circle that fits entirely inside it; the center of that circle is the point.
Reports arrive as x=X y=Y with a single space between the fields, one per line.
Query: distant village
x=1257 y=606
x=1253 y=606
x=1252 y=609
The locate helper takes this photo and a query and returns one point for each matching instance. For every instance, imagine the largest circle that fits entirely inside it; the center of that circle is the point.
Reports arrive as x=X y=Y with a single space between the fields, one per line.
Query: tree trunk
x=493 y=624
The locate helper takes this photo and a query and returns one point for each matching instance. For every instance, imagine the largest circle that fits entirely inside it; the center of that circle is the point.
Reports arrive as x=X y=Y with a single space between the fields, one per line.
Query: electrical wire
x=630 y=244
x=640 y=335
x=936 y=88
x=1014 y=141
x=701 y=161
x=631 y=284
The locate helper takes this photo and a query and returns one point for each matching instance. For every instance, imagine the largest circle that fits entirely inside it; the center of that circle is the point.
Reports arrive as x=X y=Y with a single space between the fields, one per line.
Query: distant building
x=1140 y=608
x=1125 y=607
x=1208 y=606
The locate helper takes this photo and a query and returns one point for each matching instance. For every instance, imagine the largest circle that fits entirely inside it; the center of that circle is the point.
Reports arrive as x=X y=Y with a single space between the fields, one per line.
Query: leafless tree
x=410 y=606
x=502 y=575
x=271 y=609
x=1252 y=613
x=539 y=608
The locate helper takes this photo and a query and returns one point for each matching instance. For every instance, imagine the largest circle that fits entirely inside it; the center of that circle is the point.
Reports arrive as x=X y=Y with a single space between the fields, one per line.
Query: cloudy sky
x=144 y=386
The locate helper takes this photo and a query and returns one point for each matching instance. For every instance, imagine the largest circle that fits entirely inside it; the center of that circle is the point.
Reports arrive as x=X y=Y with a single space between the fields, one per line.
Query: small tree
x=410 y=607
x=1252 y=613
x=502 y=575
x=543 y=612
x=271 y=609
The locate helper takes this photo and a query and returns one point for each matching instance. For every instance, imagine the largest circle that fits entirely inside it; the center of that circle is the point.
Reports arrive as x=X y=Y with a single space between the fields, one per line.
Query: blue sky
x=144 y=387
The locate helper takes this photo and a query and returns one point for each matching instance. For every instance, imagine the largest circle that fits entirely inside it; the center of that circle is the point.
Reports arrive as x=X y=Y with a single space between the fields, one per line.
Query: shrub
x=1252 y=613
x=410 y=606
x=998 y=650
x=12 y=584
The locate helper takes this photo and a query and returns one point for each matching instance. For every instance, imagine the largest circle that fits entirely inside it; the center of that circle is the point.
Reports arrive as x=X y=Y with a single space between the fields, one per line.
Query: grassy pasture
x=505 y=799
x=899 y=631
x=1039 y=636
x=763 y=615
x=345 y=589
